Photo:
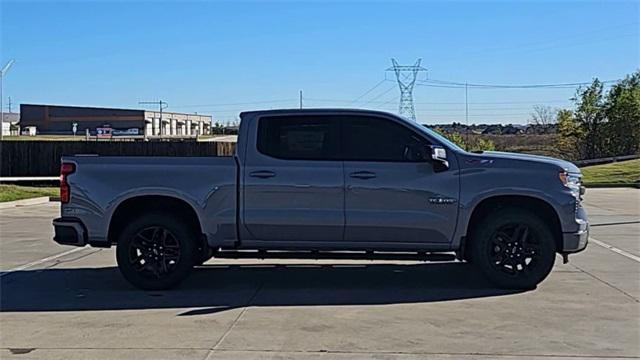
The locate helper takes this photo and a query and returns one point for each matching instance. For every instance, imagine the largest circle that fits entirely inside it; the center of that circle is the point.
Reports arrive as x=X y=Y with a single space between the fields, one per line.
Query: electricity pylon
x=406 y=76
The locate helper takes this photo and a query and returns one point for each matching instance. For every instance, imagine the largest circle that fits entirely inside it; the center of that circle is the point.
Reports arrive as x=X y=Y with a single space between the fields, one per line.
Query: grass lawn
x=622 y=172
x=15 y=192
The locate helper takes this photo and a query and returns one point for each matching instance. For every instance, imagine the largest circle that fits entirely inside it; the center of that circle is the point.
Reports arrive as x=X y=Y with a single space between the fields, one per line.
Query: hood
x=563 y=164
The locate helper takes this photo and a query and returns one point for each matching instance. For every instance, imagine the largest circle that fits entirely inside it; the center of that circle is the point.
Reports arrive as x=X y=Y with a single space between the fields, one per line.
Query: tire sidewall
x=179 y=229
x=481 y=241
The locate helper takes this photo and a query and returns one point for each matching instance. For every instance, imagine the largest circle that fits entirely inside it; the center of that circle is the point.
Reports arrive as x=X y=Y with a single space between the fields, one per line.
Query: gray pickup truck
x=326 y=184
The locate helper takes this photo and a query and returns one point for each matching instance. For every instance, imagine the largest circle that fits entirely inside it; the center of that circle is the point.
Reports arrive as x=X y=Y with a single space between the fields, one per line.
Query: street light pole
x=163 y=105
x=2 y=72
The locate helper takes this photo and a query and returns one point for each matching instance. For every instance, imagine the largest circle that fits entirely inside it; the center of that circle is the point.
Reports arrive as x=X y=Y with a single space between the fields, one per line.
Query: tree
x=542 y=117
x=591 y=119
x=570 y=135
x=457 y=139
x=622 y=109
x=483 y=145
x=474 y=143
x=603 y=124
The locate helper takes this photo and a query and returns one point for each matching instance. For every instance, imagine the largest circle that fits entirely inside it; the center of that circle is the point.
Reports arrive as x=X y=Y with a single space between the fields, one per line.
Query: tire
x=156 y=251
x=204 y=254
x=513 y=248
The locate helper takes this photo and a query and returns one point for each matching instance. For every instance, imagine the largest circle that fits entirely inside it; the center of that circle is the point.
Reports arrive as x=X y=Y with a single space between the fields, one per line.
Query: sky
x=220 y=58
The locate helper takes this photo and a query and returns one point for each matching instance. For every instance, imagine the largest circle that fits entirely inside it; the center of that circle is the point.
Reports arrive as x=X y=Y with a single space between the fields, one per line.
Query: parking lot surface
x=71 y=303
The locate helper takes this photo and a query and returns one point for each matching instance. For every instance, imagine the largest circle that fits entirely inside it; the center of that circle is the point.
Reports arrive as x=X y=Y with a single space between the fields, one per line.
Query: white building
x=176 y=124
x=9 y=119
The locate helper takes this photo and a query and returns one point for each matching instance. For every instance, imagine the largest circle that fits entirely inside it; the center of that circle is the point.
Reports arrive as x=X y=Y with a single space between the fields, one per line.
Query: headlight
x=572 y=181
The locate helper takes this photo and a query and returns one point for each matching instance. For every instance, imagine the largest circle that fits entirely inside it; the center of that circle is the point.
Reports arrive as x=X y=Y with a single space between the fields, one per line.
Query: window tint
x=298 y=137
x=377 y=139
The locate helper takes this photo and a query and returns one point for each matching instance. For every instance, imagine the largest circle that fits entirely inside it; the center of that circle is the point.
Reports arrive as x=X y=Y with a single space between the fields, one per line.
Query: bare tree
x=542 y=117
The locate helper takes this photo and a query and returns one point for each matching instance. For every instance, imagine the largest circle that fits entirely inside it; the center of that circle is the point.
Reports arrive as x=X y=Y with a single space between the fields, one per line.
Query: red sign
x=104 y=132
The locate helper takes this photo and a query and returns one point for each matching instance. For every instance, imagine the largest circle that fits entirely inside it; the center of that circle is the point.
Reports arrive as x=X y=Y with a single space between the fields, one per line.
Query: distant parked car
x=29 y=131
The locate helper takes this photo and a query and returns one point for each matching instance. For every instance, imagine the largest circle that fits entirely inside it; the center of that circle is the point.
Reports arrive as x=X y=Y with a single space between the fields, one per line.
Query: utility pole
x=9 y=104
x=300 y=99
x=3 y=72
x=162 y=105
x=406 y=76
x=466 y=112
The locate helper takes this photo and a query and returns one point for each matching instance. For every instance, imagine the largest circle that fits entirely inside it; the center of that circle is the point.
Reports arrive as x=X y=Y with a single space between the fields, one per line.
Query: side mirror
x=439 y=155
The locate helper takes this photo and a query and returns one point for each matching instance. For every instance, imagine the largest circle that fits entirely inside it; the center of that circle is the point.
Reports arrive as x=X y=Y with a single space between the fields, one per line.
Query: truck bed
x=101 y=183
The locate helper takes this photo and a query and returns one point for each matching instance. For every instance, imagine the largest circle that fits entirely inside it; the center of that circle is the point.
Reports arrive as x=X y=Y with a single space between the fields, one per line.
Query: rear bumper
x=69 y=232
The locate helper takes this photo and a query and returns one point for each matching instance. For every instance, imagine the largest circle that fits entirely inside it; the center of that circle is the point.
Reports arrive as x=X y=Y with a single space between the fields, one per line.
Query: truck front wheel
x=513 y=248
x=156 y=251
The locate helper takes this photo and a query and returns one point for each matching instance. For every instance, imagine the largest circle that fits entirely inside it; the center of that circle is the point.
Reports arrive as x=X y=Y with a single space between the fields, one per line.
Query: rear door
x=393 y=195
x=293 y=180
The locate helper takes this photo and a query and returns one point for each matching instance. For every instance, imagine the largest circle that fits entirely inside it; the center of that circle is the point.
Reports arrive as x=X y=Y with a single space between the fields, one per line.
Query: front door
x=392 y=192
x=293 y=181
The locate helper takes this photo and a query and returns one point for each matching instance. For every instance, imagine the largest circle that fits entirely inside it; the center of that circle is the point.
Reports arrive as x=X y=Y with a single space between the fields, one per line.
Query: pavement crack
x=59 y=262
x=606 y=283
x=20 y=351
x=428 y=353
x=236 y=320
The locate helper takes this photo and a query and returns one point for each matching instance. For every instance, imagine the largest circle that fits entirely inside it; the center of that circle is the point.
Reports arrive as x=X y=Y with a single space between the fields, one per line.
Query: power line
x=442 y=83
x=234 y=104
x=370 y=90
x=390 y=101
x=380 y=95
x=475 y=115
x=441 y=86
x=448 y=102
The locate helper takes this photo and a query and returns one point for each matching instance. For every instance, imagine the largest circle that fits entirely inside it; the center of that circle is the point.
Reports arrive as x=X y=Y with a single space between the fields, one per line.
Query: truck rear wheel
x=156 y=251
x=513 y=248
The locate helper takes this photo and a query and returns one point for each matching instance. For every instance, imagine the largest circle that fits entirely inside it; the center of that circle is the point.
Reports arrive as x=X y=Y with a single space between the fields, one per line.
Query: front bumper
x=576 y=241
x=69 y=232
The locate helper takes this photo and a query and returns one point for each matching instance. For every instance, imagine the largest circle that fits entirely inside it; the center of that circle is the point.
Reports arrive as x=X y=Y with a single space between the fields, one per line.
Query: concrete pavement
x=77 y=306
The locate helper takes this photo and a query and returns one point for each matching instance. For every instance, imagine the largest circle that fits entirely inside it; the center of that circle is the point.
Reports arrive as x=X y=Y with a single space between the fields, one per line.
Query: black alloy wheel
x=157 y=251
x=514 y=248
x=154 y=252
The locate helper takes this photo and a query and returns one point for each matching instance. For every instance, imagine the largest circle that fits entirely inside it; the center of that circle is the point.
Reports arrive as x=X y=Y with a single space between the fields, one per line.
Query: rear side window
x=298 y=137
x=378 y=139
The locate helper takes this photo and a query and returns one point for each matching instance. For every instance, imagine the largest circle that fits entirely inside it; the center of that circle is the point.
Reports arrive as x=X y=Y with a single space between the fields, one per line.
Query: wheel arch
x=132 y=206
x=538 y=206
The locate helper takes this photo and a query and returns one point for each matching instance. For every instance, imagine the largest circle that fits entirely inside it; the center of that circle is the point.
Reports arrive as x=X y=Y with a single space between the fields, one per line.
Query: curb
x=605 y=185
x=24 y=202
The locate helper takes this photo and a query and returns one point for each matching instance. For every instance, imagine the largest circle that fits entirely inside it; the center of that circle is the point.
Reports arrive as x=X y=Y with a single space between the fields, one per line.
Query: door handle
x=262 y=174
x=363 y=175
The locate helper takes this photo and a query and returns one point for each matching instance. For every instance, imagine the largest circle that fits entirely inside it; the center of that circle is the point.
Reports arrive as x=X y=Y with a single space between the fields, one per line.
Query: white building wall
x=156 y=126
x=173 y=127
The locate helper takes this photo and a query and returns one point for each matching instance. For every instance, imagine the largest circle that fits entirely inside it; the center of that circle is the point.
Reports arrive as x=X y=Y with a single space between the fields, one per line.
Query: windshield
x=435 y=134
x=443 y=139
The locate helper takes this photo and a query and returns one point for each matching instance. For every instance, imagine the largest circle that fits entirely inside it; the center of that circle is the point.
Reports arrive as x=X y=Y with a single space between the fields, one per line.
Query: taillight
x=65 y=190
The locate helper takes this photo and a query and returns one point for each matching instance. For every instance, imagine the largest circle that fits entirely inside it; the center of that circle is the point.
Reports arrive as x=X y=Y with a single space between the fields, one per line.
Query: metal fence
x=42 y=158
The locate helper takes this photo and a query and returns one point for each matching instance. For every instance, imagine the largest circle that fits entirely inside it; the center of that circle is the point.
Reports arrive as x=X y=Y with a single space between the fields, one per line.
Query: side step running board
x=334 y=255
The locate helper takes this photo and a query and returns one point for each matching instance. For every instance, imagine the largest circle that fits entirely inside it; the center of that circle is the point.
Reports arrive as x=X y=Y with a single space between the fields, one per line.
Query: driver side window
x=379 y=139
